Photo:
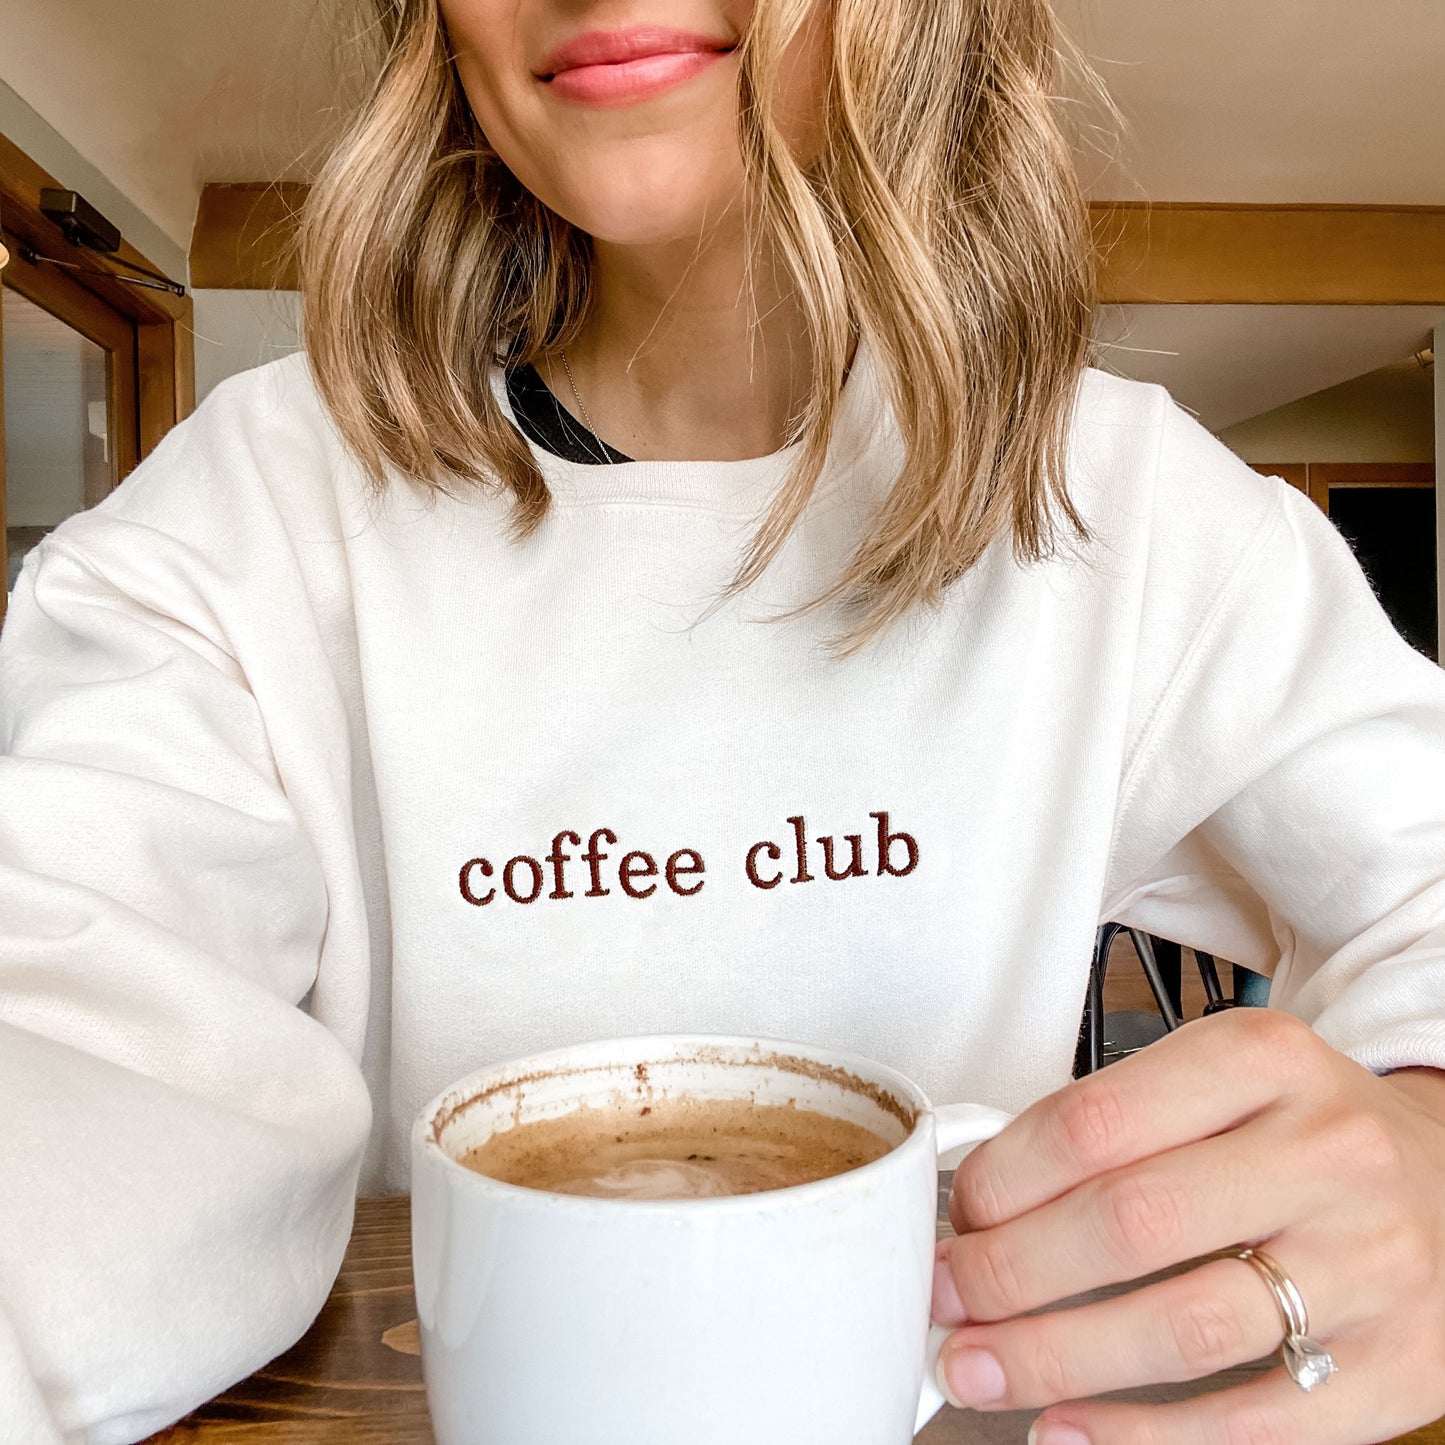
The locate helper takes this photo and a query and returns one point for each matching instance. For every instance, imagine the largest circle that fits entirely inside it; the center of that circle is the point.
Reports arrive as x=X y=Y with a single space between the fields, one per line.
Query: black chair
x=1105 y=1038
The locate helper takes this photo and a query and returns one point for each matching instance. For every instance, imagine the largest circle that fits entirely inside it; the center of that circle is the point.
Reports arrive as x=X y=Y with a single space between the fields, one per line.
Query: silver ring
x=1308 y=1362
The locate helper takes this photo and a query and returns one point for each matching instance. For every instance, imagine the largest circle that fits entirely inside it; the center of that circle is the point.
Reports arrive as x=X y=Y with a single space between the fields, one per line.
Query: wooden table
x=355 y=1377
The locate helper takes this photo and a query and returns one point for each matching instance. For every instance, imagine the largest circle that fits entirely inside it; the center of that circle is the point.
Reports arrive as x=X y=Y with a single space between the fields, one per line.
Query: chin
x=644 y=225
x=647 y=192
x=648 y=215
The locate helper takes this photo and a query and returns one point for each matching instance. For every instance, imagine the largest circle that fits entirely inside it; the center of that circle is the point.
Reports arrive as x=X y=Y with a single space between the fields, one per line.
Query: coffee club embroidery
x=596 y=868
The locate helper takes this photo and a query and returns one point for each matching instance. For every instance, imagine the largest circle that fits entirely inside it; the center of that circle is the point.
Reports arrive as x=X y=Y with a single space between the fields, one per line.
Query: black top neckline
x=546 y=422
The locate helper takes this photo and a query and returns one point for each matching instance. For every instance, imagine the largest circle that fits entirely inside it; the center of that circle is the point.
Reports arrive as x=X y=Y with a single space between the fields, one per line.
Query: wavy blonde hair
x=942 y=220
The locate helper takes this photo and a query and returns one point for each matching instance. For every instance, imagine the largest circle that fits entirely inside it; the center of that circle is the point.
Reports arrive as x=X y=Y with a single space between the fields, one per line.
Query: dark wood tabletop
x=355 y=1377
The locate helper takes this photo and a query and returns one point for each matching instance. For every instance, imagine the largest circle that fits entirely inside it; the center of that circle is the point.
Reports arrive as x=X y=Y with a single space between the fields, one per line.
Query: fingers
x=1184 y=1328
x=1158 y=1099
x=1241 y=1128
x=1130 y=1223
x=1271 y=1410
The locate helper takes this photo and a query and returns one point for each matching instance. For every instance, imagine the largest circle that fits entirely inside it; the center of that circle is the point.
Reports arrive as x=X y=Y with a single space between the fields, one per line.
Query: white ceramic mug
x=798 y=1316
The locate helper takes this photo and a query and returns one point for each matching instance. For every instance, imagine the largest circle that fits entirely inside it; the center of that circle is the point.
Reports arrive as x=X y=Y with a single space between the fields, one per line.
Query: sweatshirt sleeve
x=1284 y=804
x=180 y=1140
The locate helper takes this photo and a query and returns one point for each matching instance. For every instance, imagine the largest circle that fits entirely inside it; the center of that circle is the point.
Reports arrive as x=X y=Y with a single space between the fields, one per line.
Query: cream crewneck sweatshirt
x=310 y=804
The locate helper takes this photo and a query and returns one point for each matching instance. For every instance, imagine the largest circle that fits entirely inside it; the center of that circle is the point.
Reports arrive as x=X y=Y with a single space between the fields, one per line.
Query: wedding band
x=1308 y=1362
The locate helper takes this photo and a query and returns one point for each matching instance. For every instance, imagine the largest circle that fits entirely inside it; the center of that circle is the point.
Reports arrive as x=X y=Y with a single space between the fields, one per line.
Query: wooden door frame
x=56 y=293
x=1315 y=479
x=156 y=386
x=1324 y=475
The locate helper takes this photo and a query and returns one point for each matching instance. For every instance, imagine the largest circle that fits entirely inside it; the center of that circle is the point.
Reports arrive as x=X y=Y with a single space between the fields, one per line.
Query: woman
x=692 y=585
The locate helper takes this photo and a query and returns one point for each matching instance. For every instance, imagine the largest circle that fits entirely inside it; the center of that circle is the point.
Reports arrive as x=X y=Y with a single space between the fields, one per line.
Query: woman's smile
x=621 y=117
x=624 y=67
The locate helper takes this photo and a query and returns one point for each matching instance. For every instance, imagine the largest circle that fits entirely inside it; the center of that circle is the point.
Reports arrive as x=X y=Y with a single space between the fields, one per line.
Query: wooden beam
x=244 y=236
x=1372 y=474
x=1271 y=255
x=1149 y=254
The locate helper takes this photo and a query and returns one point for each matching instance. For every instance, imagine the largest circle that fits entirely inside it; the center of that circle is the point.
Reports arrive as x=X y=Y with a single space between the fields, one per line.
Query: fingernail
x=947 y=1306
x=969 y=1378
x=1052 y=1432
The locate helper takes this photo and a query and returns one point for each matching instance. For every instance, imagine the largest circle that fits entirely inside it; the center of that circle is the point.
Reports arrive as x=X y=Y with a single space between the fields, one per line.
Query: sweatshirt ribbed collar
x=736 y=488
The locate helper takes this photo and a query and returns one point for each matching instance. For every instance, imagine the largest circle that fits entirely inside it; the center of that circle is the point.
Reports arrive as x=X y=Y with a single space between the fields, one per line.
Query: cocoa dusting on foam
x=681 y=1149
x=840 y=1078
x=459 y=1102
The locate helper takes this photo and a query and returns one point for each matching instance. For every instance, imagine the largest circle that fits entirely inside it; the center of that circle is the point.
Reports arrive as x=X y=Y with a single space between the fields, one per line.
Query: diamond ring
x=1308 y=1362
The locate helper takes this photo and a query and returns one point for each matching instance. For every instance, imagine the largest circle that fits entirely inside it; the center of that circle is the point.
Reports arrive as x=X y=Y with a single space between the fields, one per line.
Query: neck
x=677 y=361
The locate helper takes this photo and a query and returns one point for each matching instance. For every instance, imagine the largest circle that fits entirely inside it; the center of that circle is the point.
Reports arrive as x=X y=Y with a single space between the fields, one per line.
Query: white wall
x=1229 y=363
x=236 y=330
x=45 y=439
x=1384 y=416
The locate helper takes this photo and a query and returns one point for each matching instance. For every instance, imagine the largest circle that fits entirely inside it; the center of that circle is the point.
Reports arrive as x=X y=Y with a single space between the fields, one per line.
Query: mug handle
x=954 y=1125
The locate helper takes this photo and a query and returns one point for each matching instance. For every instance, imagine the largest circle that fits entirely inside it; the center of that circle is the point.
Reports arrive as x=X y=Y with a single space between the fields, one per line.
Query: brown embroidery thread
x=593 y=859
x=686 y=863
x=855 y=869
x=800 y=834
x=886 y=840
x=682 y=866
x=509 y=872
x=627 y=872
x=674 y=868
x=559 y=860
x=773 y=852
x=486 y=871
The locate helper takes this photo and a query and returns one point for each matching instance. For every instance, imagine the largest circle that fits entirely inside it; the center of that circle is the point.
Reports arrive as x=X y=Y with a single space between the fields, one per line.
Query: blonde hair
x=941 y=220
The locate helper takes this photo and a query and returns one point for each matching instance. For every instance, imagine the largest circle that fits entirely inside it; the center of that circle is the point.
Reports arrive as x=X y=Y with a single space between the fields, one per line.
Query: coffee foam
x=651 y=1179
x=683 y=1148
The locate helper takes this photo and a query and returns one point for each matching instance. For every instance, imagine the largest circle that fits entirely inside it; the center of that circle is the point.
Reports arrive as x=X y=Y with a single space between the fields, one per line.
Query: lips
x=609 y=69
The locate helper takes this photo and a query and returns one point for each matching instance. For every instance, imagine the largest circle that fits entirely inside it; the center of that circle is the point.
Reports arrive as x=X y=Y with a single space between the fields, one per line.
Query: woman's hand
x=1241 y=1128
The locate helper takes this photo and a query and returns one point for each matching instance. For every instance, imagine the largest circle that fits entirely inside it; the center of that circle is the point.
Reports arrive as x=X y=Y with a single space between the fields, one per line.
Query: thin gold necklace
x=581 y=406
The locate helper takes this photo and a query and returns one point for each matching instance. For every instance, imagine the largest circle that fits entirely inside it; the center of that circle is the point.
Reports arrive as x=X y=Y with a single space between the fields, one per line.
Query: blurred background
x=1271 y=221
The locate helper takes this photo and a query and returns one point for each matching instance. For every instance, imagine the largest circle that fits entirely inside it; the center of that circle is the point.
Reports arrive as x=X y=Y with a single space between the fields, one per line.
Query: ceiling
x=1228 y=363
x=1270 y=101
x=162 y=96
